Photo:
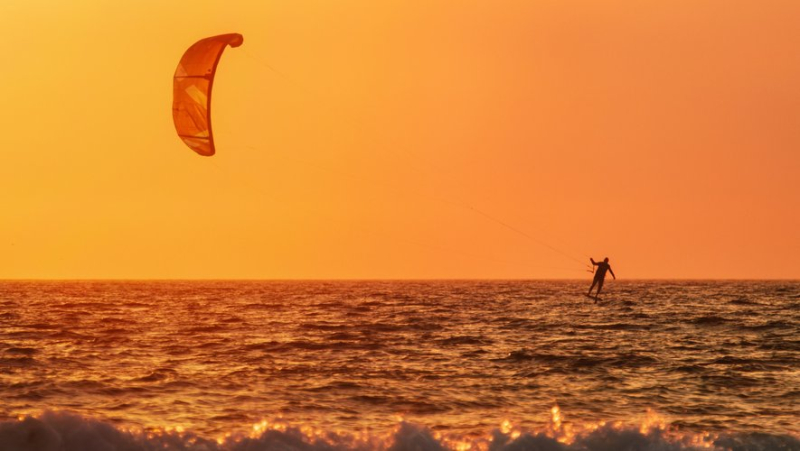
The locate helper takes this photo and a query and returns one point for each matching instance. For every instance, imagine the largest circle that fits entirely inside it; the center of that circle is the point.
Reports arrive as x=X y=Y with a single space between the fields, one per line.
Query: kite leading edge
x=191 y=91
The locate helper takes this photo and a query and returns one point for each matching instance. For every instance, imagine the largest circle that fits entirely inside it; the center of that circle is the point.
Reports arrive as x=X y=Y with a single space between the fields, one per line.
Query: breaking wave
x=65 y=431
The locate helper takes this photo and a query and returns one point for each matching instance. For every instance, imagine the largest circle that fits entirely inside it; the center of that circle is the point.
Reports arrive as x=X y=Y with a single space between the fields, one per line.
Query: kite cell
x=191 y=91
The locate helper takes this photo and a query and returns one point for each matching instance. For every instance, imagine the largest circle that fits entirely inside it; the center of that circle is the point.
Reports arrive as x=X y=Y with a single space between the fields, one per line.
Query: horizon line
x=388 y=279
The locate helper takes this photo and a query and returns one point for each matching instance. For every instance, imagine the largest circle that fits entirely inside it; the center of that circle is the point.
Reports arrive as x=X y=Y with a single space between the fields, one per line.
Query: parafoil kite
x=191 y=91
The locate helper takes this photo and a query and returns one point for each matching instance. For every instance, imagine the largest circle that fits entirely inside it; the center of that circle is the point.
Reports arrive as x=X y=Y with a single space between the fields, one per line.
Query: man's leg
x=599 y=287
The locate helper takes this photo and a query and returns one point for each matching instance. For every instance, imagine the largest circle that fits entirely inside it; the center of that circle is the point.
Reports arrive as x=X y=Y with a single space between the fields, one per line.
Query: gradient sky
x=354 y=136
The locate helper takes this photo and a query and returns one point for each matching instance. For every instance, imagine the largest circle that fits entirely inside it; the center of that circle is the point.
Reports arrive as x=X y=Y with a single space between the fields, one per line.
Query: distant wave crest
x=64 y=431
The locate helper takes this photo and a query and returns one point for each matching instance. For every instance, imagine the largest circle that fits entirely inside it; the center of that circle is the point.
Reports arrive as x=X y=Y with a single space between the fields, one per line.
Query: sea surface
x=403 y=365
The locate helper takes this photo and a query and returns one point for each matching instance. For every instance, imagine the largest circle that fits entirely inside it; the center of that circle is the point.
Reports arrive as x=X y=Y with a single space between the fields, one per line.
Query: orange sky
x=663 y=134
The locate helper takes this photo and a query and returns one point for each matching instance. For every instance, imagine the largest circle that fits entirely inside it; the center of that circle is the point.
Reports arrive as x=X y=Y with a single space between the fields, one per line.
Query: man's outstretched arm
x=612 y=273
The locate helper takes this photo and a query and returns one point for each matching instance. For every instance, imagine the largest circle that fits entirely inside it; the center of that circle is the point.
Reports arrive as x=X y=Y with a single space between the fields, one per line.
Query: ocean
x=399 y=365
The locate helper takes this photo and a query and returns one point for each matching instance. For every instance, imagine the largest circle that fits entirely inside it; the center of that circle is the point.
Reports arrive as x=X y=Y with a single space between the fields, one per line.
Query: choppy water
x=414 y=365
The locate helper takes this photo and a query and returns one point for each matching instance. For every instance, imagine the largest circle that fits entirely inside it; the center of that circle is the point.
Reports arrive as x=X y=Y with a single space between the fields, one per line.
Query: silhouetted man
x=600 y=275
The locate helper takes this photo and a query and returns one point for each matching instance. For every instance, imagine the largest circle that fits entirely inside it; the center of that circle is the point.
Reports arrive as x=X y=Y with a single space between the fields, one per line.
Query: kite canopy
x=191 y=91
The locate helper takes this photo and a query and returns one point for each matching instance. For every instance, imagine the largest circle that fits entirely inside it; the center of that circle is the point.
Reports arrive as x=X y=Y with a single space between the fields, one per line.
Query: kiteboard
x=593 y=297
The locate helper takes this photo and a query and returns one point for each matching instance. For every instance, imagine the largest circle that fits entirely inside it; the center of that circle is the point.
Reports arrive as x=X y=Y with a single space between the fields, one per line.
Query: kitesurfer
x=600 y=275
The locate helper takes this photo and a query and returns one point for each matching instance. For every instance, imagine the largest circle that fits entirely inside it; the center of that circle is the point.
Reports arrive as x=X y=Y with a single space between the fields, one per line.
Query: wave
x=710 y=320
x=65 y=431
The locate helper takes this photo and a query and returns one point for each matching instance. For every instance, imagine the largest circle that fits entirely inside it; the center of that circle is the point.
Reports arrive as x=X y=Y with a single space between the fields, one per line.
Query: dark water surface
x=455 y=359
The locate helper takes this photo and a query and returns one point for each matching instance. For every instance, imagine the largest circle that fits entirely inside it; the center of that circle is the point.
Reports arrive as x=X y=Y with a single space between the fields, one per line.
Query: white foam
x=64 y=431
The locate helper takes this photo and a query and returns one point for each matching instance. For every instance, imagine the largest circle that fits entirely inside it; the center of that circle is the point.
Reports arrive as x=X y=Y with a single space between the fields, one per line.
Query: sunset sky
x=404 y=139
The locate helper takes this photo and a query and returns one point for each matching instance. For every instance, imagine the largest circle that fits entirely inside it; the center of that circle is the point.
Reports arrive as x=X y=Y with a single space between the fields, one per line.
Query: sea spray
x=64 y=431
